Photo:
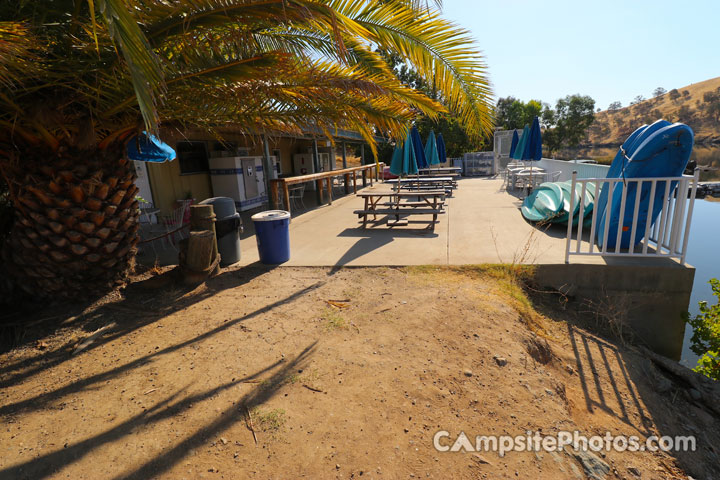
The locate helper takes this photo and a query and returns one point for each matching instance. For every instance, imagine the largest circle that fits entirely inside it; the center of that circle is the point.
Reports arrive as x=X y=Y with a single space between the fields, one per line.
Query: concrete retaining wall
x=651 y=300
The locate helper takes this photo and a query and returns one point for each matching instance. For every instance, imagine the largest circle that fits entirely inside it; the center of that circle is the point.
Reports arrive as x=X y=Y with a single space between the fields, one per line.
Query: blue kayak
x=659 y=150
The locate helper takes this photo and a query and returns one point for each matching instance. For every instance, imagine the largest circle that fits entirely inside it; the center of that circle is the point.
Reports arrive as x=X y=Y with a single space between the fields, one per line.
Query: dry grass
x=508 y=282
x=668 y=108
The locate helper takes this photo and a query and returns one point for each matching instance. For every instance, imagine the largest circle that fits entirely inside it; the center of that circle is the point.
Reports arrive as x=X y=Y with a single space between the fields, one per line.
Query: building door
x=249 y=178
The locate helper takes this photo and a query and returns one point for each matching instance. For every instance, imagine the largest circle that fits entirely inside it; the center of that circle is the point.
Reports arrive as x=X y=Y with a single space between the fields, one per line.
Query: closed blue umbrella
x=418 y=148
x=535 y=141
x=149 y=148
x=513 y=144
x=442 y=157
x=431 y=152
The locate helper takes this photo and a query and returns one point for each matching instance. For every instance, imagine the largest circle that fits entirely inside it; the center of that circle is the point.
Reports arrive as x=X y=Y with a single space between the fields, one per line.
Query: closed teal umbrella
x=403 y=160
x=522 y=151
x=431 y=151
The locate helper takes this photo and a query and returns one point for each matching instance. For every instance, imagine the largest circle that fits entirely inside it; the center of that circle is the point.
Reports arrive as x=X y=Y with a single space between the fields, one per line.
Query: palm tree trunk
x=76 y=222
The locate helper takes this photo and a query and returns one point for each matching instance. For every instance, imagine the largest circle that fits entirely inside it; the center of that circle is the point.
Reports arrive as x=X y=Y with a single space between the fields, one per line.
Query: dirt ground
x=318 y=373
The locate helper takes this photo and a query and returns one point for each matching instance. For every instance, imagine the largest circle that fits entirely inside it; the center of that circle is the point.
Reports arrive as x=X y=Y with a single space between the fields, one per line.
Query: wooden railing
x=323 y=181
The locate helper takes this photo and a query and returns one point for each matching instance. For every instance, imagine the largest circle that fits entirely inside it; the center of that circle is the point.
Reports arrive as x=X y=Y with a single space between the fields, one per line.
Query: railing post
x=688 y=220
x=572 y=209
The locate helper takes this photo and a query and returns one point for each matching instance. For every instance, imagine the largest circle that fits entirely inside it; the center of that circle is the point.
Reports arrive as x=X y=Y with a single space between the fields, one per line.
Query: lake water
x=703 y=254
x=704 y=238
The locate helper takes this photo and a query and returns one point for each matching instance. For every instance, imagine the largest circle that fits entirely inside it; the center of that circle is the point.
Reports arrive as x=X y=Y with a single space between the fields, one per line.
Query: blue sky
x=608 y=49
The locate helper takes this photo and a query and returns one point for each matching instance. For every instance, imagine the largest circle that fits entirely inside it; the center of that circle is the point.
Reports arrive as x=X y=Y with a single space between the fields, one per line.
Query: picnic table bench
x=429 y=202
x=440 y=170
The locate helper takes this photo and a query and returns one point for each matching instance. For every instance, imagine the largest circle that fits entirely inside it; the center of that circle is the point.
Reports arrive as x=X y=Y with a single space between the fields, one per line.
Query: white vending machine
x=240 y=178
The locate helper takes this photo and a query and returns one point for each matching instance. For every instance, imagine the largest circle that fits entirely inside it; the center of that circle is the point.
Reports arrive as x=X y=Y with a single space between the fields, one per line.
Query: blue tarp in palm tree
x=418 y=147
x=431 y=152
x=149 y=148
x=442 y=158
x=513 y=144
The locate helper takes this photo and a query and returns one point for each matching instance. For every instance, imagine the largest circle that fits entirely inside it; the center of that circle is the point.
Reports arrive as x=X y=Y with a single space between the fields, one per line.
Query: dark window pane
x=193 y=157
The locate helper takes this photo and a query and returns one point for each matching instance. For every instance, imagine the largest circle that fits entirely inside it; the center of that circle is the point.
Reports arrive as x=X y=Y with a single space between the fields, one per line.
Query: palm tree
x=79 y=77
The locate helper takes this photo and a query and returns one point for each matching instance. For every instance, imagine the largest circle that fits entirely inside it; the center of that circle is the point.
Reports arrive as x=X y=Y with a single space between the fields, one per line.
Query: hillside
x=697 y=105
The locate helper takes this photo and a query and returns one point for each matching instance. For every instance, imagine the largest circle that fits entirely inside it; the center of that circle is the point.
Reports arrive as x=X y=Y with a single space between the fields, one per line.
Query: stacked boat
x=550 y=203
x=658 y=150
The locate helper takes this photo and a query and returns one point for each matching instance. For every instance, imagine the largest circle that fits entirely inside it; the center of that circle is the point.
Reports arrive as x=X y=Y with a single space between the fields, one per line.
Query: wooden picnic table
x=429 y=202
x=323 y=180
x=424 y=183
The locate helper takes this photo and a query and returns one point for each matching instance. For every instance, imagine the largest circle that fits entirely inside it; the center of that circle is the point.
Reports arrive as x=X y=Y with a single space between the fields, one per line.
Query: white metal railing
x=667 y=237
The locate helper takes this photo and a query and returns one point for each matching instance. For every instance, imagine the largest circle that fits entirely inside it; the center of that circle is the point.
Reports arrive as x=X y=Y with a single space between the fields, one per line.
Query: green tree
x=638 y=99
x=78 y=77
x=512 y=113
x=568 y=123
x=674 y=94
x=457 y=141
x=705 y=340
x=659 y=91
x=614 y=106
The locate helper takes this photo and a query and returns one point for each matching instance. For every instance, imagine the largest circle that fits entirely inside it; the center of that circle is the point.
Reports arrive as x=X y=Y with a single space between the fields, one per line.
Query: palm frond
x=439 y=50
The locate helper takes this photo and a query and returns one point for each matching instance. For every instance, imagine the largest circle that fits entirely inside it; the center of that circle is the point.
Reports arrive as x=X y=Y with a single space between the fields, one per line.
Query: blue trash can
x=273 y=236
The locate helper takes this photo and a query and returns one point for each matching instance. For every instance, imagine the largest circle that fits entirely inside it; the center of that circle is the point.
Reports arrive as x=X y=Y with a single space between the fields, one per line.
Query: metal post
x=688 y=220
x=268 y=168
x=344 y=155
x=362 y=161
x=572 y=207
x=316 y=161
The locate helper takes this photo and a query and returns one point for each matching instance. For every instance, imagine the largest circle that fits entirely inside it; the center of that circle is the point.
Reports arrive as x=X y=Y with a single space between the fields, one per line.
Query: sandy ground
x=320 y=373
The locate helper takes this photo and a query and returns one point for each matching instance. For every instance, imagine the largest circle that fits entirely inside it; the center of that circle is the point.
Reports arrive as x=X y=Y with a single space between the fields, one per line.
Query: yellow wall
x=168 y=185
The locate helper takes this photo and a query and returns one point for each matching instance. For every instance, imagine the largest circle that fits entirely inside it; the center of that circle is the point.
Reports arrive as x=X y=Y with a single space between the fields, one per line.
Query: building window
x=193 y=157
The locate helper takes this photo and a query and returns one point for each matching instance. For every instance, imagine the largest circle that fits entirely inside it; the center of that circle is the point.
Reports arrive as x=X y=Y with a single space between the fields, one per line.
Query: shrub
x=705 y=340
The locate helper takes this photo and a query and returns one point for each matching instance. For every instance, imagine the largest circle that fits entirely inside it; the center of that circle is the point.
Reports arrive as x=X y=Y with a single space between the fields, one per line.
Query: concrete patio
x=482 y=224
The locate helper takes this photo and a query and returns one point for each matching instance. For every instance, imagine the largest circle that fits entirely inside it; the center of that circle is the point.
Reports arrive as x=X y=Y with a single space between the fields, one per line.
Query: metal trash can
x=228 y=227
x=273 y=236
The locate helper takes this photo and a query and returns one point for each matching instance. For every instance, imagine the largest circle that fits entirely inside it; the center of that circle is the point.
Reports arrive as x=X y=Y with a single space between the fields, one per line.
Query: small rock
x=595 y=468
x=549 y=392
x=468 y=372
x=223 y=440
x=406 y=430
x=501 y=361
x=634 y=471
x=337 y=466
x=480 y=459
x=695 y=395
x=662 y=384
x=569 y=369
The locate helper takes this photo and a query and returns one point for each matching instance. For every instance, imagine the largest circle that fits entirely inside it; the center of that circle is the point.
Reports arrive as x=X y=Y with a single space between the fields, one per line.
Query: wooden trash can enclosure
x=199 y=258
